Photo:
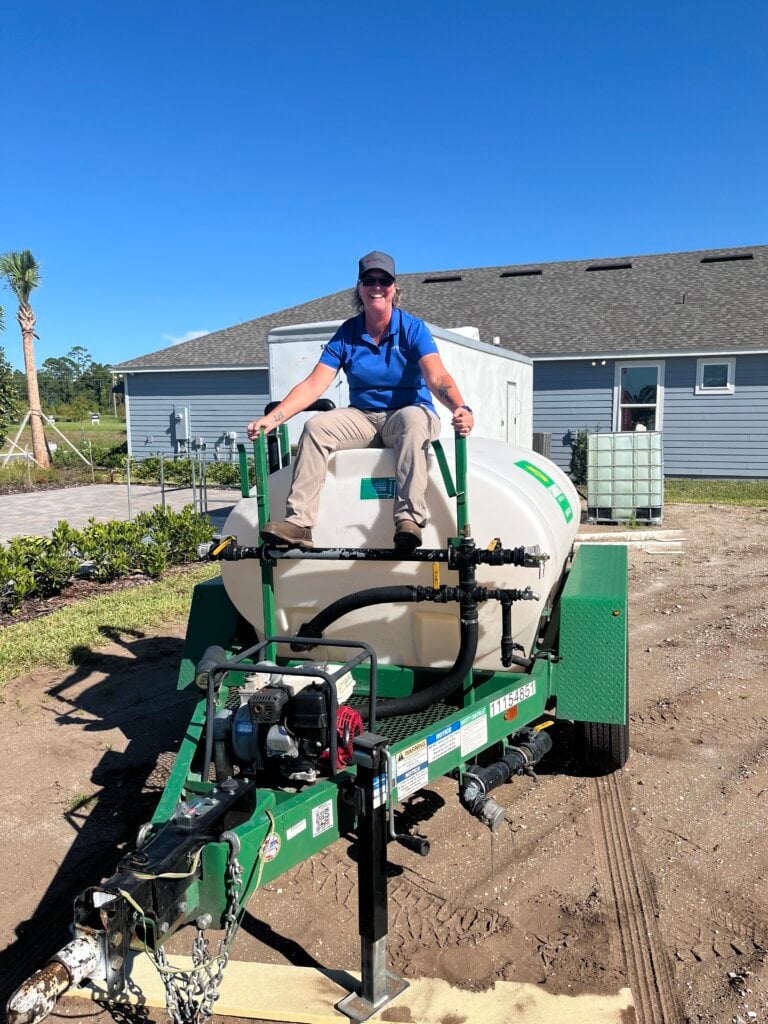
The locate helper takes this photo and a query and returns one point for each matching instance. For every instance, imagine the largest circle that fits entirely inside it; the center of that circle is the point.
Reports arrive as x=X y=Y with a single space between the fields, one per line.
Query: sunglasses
x=373 y=279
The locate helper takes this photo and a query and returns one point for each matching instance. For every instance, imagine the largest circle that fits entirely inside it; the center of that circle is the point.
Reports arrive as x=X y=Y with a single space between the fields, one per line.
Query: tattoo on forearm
x=443 y=391
x=278 y=417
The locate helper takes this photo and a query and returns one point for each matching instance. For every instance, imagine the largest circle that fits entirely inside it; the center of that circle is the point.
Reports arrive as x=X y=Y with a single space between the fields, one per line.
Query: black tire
x=601 y=748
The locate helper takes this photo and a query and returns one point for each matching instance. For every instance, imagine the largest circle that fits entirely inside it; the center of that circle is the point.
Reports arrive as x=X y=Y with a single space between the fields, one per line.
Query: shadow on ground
x=132 y=690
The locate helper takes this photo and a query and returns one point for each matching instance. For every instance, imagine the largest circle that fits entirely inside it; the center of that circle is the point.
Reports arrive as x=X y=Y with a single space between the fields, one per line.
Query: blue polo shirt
x=384 y=376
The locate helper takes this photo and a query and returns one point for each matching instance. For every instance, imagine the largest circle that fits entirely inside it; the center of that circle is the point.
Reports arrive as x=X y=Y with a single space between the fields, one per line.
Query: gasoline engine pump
x=283 y=725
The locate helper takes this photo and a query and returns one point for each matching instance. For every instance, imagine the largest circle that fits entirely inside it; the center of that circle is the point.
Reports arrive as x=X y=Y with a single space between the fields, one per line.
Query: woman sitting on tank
x=393 y=368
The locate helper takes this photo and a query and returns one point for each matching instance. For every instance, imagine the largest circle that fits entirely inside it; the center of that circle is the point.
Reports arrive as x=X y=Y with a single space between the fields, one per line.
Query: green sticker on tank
x=552 y=487
x=375 y=488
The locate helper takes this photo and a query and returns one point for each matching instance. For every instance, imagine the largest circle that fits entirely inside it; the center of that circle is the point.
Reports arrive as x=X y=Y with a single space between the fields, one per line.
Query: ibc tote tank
x=514 y=494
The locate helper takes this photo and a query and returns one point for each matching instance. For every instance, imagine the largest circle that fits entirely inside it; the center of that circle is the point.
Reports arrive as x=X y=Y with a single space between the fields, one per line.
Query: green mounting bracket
x=245 y=487
x=445 y=471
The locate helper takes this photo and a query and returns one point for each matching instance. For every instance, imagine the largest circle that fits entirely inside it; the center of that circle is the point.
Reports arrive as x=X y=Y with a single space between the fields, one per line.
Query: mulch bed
x=35 y=607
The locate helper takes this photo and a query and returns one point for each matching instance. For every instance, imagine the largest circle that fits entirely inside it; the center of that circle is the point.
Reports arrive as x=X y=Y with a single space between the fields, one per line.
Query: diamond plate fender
x=591 y=678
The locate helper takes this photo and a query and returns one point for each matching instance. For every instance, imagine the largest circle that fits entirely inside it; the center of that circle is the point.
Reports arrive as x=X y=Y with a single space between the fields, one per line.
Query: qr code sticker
x=322 y=818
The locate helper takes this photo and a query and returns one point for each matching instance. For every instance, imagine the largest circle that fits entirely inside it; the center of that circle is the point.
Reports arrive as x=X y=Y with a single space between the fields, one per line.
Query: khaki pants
x=408 y=431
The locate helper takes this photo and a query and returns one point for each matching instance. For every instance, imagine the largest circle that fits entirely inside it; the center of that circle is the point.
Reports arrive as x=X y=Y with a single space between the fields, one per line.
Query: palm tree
x=22 y=274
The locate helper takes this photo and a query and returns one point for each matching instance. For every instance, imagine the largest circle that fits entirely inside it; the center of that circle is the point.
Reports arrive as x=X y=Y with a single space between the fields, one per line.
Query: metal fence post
x=194 y=480
x=128 y=482
x=162 y=479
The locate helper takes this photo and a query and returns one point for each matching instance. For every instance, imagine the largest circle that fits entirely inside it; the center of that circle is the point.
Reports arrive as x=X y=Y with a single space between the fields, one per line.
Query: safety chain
x=190 y=995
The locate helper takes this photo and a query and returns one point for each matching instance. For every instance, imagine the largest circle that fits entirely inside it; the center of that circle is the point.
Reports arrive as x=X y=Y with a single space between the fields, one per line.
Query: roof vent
x=728 y=259
x=441 y=278
x=610 y=266
x=521 y=273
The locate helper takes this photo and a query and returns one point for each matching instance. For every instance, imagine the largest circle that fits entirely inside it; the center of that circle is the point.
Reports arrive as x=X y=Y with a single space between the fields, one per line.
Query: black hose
x=350 y=603
x=446 y=686
x=468 y=638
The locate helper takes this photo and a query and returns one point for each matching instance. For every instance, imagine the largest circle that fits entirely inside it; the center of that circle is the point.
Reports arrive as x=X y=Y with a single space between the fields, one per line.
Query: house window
x=715 y=376
x=638 y=396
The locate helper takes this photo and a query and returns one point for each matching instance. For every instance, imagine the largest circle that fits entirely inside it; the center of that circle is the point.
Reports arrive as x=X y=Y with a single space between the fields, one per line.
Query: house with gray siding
x=676 y=342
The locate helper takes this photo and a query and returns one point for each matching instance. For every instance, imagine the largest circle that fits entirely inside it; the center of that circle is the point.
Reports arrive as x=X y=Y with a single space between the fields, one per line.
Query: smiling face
x=377 y=292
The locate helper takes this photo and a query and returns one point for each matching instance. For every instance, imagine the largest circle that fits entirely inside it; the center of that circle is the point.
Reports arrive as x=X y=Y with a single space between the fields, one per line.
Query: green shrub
x=20 y=475
x=225 y=474
x=176 y=472
x=104 y=456
x=17 y=582
x=39 y=566
x=179 y=533
x=45 y=565
x=111 y=548
x=578 y=468
x=155 y=539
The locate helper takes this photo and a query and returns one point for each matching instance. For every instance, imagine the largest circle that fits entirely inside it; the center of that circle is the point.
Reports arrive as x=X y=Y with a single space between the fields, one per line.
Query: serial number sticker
x=514 y=697
x=474 y=731
x=411 y=769
x=443 y=742
x=322 y=818
x=379 y=791
x=270 y=847
x=296 y=830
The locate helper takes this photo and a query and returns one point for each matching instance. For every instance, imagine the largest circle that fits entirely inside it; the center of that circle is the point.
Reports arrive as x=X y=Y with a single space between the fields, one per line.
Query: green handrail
x=462 y=498
x=457 y=490
x=267 y=579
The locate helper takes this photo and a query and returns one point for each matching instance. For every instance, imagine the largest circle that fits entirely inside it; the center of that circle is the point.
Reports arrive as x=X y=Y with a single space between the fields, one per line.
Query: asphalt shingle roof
x=674 y=302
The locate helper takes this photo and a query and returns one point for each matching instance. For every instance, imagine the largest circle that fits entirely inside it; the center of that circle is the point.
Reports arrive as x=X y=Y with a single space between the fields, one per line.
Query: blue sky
x=180 y=166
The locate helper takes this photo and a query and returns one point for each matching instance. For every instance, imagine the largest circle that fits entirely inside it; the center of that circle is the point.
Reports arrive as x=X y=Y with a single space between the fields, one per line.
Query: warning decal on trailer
x=474 y=731
x=445 y=741
x=411 y=769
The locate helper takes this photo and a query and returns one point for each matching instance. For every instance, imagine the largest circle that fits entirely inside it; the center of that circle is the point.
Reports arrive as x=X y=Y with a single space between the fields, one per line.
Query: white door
x=512 y=411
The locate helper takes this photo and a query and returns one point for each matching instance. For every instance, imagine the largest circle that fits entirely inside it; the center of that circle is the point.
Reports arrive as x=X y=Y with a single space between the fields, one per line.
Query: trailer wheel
x=601 y=747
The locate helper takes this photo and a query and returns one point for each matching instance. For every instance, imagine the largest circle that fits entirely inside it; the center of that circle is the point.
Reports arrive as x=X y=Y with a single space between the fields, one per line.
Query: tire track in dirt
x=648 y=971
x=418 y=918
x=418 y=914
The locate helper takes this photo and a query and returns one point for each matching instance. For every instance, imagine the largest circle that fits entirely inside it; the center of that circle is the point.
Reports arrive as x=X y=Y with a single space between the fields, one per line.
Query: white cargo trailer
x=497 y=383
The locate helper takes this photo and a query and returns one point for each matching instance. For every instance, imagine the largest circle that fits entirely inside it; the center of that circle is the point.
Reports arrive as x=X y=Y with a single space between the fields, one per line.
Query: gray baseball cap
x=376 y=261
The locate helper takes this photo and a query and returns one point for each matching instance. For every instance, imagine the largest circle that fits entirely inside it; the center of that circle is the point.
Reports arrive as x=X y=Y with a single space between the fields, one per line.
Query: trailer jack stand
x=379 y=985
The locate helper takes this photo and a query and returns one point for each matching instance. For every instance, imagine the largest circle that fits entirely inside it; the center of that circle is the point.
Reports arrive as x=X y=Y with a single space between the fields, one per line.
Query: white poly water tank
x=514 y=494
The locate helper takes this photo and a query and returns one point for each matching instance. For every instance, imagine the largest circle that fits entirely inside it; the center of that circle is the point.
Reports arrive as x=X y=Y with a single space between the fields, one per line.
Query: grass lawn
x=110 y=431
x=716 y=492
x=78 y=629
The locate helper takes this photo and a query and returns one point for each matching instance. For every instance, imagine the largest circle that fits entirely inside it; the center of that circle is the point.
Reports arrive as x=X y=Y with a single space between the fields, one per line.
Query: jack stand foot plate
x=357 y=1008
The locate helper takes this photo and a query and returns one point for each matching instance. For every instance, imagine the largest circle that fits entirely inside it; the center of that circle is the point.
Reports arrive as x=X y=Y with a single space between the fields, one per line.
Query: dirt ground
x=84 y=754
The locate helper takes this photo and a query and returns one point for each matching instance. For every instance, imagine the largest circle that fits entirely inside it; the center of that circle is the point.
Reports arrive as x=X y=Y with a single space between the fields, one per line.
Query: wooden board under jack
x=304 y=995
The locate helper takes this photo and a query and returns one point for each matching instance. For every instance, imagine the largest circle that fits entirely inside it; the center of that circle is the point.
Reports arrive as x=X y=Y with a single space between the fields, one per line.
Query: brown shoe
x=407 y=535
x=286 y=535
